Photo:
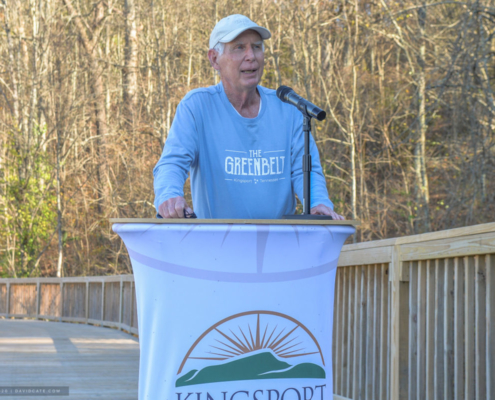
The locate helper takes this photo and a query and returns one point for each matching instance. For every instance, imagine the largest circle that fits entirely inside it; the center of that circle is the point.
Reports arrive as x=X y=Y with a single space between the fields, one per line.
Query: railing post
x=132 y=303
x=121 y=303
x=102 y=301
x=399 y=331
x=87 y=300
x=61 y=300
x=38 y=287
x=7 y=311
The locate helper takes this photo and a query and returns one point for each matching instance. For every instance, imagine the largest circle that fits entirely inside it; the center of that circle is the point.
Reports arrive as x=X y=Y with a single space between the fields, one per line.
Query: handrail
x=99 y=300
x=420 y=310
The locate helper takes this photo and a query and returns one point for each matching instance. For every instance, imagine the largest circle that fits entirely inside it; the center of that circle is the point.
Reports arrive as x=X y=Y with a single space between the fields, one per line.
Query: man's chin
x=251 y=82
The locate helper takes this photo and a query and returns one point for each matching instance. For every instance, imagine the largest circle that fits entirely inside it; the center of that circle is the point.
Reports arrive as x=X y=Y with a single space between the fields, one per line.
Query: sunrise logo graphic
x=250 y=346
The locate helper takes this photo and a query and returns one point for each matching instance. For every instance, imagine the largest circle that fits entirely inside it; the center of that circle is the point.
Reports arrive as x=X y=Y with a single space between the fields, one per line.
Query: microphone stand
x=307 y=167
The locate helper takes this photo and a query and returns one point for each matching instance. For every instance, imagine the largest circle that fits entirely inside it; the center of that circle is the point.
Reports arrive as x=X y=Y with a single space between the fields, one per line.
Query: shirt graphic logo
x=252 y=163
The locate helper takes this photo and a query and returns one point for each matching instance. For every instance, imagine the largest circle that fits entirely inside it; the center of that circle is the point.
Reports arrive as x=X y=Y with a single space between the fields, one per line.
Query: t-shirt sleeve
x=179 y=153
x=319 y=192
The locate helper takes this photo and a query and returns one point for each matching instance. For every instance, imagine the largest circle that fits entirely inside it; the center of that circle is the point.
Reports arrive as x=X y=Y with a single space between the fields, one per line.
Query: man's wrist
x=162 y=199
x=326 y=203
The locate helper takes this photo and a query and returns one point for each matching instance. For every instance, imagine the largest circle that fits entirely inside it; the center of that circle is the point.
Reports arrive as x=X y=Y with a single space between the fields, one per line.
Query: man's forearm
x=168 y=183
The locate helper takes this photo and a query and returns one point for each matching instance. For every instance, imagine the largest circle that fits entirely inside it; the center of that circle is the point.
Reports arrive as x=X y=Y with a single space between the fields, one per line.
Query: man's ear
x=213 y=57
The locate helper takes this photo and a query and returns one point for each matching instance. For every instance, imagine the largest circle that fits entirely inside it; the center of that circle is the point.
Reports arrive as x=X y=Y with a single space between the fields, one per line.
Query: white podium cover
x=234 y=311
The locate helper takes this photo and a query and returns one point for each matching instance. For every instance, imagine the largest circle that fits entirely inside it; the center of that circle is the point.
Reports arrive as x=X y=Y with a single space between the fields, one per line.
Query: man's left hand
x=322 y=209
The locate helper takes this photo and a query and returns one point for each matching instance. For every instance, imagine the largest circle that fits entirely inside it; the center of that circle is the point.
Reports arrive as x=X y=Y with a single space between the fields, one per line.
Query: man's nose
x=249 y=53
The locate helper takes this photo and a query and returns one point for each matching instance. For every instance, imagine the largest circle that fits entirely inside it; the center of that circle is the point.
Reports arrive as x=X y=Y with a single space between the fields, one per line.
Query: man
x=242 y=145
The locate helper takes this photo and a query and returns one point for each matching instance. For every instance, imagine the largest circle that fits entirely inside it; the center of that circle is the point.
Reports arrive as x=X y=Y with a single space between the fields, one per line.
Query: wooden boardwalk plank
x=96 y=363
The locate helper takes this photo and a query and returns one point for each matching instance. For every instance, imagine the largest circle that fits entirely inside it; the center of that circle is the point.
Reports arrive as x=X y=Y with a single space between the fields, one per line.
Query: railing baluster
x=61 y=301
x=390 y=366
x=121 y=303
x=384 y=343
x=480 y=339
x=449 y=329
x=421 y=375
x=430 y=329
x=132 y=304
x=384 y=360
x=439 y=330
x=375 y=317
x=469 y=312
x=344 y=332
x=351 y=349
x=102 y=301
x=357 y=331
x=369 y=340
x=7 y=311
x=413 y=331
x=337 y=339
x=87 y=300
x=38 y=299
x=490 y=327
x=363 y=328
x=459 y=329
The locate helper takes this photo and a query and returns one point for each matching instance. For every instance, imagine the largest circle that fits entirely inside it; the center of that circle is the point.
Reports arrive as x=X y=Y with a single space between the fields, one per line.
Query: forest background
x=89 y=88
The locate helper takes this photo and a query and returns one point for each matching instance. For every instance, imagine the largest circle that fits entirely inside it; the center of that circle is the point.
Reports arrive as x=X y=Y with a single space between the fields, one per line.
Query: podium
x=234 y=309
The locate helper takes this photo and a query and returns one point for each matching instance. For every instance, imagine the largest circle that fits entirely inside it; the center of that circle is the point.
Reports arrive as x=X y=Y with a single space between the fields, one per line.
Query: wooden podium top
x=231 y=221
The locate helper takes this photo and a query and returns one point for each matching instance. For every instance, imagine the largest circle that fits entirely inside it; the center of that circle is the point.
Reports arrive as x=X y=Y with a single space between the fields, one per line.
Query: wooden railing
x=104 y=300
x=414 y=316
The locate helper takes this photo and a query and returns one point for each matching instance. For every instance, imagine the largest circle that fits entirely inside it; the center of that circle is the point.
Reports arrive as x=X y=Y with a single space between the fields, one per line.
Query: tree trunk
x=352 y=141
x=59 y=206
x=12 y=72
x=422 y=190
x=98 y=90
x=130 y=62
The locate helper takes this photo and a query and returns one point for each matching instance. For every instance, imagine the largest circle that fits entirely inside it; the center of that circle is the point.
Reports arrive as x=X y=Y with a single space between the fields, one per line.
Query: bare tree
x=88 y=91
x=89 y=32
x=130 y=60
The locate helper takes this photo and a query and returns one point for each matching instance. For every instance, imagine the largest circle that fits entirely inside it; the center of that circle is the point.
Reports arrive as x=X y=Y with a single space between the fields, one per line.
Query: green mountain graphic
x=258 y=366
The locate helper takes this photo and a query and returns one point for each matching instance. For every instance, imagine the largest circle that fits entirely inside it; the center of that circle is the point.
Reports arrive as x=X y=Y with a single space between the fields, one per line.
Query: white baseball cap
x=228 y=28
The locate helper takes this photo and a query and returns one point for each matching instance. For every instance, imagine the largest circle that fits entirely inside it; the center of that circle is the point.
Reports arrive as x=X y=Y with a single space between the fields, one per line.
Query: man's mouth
x=249 y=71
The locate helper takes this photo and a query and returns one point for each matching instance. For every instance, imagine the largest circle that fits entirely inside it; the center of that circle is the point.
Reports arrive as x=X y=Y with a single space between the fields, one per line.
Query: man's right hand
x=174 y=208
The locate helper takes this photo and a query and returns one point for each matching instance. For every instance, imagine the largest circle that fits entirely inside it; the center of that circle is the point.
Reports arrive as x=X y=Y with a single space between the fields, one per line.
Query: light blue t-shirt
x=241 y=168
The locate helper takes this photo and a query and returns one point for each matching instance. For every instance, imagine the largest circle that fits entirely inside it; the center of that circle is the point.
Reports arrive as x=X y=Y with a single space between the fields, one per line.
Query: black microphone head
x=321 y=115
x=282 y=91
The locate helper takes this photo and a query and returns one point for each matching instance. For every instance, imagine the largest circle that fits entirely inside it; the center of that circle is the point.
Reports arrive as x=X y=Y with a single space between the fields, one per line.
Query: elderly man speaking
x=242 y=145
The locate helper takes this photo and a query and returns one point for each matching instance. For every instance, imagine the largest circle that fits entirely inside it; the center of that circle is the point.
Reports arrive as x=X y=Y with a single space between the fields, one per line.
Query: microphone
x=287 y=95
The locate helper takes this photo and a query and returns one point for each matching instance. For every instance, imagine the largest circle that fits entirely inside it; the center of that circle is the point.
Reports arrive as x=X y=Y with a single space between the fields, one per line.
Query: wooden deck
x=94 y=362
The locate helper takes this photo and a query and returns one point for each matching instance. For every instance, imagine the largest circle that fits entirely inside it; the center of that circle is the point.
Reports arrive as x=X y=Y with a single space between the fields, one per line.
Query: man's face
x=242 y=62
